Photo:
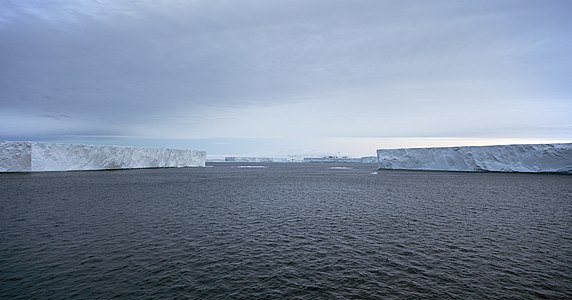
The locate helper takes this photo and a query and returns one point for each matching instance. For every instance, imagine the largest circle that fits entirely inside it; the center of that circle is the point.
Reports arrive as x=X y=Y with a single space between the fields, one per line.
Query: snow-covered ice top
x=502 y=158
x=37 y=157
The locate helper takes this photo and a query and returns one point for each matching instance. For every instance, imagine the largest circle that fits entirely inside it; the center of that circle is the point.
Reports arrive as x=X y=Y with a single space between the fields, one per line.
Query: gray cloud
x=213 y=69
x=55 y=117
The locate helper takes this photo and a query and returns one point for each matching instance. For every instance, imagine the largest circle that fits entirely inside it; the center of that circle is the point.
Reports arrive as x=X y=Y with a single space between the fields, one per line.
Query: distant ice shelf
x=550 y=158
x=295 y=158
x=244 y=159
x=40 y=157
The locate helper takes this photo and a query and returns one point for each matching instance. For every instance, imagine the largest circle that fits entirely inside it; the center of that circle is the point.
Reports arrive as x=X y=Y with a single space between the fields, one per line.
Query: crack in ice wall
x=38 y=157
x=555 y=158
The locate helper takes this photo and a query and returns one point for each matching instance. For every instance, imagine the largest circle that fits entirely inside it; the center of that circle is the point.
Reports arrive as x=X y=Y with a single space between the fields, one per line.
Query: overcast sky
x=263 y=77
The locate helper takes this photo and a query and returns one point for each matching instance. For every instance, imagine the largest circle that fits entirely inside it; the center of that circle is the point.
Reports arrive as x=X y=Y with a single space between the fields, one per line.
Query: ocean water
x=287 y=231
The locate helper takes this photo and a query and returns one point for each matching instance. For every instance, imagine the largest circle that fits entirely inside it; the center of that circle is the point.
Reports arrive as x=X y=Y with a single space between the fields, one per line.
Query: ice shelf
x=553 y=158
x=39 y=157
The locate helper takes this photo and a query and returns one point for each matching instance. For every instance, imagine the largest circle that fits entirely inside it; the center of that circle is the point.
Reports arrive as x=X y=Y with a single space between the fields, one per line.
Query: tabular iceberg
x=369 y=160
x=249 y=159
x=555 y=158
x=39 y=157
x=332 y=159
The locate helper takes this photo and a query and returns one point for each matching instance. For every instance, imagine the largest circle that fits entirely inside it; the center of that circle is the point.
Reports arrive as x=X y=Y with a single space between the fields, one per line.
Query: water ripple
x=292 y=231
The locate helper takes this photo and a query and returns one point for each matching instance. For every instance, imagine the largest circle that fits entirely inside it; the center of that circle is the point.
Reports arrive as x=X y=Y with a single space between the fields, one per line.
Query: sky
x=289 y=77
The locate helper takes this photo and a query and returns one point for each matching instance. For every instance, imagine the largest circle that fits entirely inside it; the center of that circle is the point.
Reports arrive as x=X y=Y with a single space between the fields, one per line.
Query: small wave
x=251 y=167
x=340 y=168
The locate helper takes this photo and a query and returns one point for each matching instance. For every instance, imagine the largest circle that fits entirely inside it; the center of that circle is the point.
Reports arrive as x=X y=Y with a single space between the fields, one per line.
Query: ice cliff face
x=505 y=158
x=37 y=157
x=15 y=156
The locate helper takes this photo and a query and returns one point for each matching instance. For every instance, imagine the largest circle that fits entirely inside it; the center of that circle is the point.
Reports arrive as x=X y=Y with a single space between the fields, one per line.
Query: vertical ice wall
x=504 y=158
x=33 y=157
x=15 y=156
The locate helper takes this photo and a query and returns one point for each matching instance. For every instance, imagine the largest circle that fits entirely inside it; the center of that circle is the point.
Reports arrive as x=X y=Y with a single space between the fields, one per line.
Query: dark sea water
x=288 y=231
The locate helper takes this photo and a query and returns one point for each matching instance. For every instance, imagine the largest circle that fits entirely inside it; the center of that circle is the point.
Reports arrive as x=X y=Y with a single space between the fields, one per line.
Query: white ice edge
x=40 y=157
x=550 y=158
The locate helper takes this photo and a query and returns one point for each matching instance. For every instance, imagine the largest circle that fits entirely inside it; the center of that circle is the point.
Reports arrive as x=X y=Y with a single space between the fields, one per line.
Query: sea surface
x=285 y=231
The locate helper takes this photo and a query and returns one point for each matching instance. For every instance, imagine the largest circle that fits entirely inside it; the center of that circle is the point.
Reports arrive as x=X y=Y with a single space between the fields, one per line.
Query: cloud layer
x=287 y=69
